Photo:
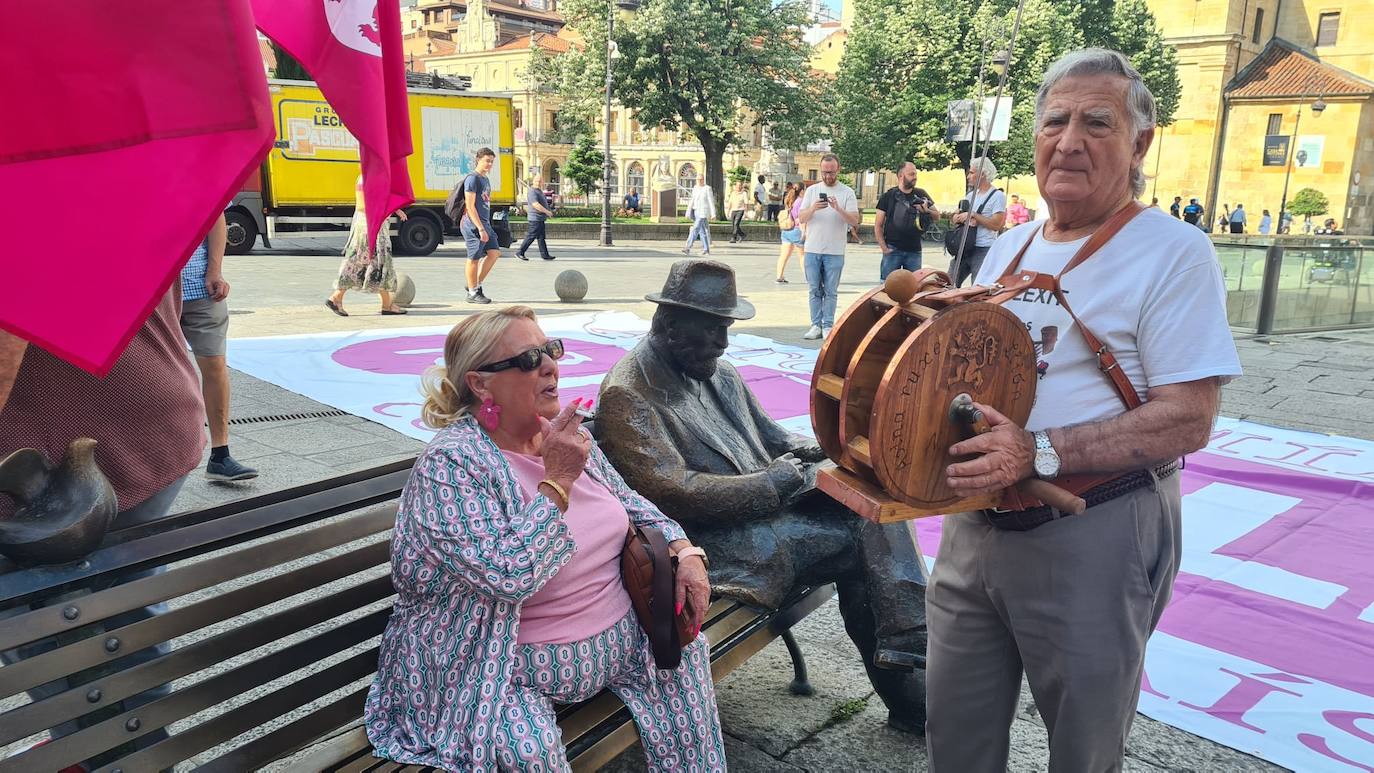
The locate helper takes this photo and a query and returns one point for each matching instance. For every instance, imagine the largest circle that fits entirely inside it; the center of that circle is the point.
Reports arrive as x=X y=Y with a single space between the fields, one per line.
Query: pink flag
x=118 y=148
x=353 y=49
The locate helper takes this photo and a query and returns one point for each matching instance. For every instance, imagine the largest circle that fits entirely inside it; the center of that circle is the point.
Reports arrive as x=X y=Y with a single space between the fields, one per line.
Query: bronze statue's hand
x=811 y=454
x=693 y=590
x=788 y=474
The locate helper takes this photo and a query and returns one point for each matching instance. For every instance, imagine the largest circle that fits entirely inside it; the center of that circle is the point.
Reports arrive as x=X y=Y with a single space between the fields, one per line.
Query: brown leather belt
x=1025 y=520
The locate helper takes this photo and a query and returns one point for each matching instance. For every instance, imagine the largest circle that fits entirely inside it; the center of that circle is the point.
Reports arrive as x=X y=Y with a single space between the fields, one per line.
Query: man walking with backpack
x=904 y=214
x=470 y=206
x=985 y=210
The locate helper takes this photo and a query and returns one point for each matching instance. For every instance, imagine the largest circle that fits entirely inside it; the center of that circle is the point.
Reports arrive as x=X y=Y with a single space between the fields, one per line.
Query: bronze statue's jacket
x=701 y=451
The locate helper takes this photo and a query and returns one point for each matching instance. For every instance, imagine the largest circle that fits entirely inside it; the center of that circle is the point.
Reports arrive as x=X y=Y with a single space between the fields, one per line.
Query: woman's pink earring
x=489 y=414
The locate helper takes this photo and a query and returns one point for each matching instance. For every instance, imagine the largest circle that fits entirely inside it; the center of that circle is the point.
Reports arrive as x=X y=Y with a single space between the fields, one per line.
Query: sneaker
x=686 y=251
x=476 y=296
x=521 y=256
x=229 y=469
x=813 y=333
x=550 y=257
x=781 y=281
x=825 y=333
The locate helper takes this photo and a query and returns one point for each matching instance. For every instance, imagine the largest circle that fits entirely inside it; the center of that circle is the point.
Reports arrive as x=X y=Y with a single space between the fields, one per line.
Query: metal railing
x=1297 y=285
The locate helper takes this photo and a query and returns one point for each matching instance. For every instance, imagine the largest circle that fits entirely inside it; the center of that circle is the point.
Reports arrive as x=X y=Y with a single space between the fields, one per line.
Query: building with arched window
x=634 y=177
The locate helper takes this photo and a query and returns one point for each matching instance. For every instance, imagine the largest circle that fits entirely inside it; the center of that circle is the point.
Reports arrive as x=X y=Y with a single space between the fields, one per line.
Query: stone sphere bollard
x=571 y=286
x=405 y=289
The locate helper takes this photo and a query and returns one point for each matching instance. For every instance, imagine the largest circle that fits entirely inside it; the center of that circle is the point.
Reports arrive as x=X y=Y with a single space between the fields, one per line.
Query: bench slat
x=33 y=717
x=296 y=735
x=92 y=650
x=49 y=621
x=185 y=702
x=235 y=722
x=179 y=537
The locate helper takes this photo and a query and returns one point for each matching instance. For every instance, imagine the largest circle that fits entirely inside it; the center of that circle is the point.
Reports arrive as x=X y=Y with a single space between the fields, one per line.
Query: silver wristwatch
x=1046 y=458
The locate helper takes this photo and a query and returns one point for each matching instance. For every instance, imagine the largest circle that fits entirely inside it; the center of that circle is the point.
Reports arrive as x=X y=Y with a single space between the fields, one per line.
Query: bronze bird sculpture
x=61 y=512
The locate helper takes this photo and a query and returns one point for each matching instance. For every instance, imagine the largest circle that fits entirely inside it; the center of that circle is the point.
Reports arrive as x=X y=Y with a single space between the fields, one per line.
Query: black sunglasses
x=529 y=360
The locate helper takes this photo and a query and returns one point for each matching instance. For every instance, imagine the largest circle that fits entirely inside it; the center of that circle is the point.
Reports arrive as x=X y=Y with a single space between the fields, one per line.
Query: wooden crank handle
x=1054 y=496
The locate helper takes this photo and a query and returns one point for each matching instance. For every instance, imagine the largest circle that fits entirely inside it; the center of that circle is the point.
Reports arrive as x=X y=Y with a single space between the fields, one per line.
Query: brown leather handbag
x=647 y=569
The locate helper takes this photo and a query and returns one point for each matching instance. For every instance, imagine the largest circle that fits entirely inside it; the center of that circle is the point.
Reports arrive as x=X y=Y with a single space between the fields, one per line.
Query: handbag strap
x=663 y=632
x=1106 y=361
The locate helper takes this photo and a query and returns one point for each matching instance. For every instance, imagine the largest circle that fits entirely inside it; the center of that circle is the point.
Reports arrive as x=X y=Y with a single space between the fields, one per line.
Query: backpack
x=785 y=221
x=457 y=202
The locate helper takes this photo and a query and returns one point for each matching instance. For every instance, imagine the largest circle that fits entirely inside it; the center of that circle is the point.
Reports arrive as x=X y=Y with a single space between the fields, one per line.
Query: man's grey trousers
x=1071 y=604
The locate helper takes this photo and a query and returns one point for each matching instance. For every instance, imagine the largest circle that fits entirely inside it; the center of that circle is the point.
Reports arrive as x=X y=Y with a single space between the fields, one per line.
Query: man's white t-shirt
x=996 y=202
x=826 y=232
x=1154 y=295
x=760 y=193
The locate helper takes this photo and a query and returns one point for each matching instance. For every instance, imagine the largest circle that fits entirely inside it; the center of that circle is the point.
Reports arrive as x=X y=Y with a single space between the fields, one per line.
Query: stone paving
x=1321 y=382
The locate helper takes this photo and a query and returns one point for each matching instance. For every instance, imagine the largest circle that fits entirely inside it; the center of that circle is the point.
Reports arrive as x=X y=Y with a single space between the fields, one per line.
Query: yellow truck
x=305 y=187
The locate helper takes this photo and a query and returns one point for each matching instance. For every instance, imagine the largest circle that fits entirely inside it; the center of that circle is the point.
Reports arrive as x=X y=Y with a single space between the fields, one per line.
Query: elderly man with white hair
x=987 y=210
x=1128 y=314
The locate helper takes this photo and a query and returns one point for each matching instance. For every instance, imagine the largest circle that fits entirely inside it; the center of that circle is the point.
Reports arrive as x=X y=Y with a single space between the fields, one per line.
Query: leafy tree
x=1309 y=202
x=586 y=165
x=907 y=59
x=739 y=174
x=709 y=67
x=287 y=67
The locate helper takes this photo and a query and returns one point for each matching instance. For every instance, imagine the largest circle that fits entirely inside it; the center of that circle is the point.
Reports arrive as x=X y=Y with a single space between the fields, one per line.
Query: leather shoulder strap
x=1106 y=361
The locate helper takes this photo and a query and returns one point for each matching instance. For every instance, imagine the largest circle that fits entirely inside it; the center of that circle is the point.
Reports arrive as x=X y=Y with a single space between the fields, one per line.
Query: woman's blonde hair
x=469 y=345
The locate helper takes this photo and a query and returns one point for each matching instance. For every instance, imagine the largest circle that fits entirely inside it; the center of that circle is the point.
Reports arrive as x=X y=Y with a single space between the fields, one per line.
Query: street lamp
x=612 y=53
x=1317 y=108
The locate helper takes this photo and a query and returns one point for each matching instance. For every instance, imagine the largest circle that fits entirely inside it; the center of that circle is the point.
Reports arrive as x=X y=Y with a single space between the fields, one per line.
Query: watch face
x=1046 y=464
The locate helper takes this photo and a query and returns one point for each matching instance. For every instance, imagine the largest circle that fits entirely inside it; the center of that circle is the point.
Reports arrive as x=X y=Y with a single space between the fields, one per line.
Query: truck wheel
x=418 y=236
x=242 y=232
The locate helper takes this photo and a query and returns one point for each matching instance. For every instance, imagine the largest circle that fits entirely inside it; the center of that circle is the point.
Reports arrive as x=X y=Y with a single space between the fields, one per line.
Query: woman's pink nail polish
x=679 y=608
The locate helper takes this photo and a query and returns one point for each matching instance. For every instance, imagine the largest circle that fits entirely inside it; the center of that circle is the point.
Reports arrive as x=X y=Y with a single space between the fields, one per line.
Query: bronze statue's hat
x=704 y=285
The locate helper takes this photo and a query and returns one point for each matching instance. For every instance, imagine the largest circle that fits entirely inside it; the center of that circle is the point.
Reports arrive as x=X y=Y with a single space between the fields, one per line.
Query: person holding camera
x=985 y=210
x=904 y=214
x=828 y=210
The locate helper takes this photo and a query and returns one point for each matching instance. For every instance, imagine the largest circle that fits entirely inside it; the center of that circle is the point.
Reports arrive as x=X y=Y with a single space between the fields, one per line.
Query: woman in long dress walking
x=370 y=271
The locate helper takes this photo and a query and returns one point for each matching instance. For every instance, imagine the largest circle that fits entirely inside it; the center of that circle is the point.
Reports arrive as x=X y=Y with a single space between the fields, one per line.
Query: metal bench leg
x=801 y=684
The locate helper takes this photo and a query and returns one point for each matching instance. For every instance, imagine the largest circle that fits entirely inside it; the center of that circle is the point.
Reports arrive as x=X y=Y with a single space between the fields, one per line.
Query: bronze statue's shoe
x=61 y=511
x=916 y=727
x=898 y=660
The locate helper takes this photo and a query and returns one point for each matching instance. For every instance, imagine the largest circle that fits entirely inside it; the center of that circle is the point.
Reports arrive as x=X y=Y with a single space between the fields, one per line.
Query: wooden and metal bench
x=275 y=606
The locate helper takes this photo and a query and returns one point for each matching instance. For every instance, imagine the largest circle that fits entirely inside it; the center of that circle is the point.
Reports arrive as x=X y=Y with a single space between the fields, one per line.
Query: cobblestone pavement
x=1321 y=382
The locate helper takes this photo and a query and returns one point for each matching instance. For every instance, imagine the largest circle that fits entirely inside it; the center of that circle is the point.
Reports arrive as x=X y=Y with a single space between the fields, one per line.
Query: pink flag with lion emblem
x=353 y=50
x=118 y=149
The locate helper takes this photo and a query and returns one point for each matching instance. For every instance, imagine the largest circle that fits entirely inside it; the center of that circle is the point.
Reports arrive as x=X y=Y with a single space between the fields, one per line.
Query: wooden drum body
x=882 y=390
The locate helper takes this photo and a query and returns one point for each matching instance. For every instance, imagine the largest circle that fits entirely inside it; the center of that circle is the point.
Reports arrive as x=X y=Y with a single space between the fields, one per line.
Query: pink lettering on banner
x=1247 y=694
x=1345 y=721
x=781 y=396
x=410 y=355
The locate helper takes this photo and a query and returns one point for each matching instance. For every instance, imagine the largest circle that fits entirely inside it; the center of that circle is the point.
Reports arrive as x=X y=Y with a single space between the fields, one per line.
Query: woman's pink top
x=587 y=595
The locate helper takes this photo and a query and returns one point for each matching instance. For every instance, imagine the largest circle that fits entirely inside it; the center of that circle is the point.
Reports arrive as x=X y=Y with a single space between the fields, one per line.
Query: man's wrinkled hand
x=1006 y=457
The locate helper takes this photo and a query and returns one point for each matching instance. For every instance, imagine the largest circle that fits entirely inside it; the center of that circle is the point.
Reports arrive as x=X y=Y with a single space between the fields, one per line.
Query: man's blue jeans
x=911 y=261
x=823 y=275
x=700 y=228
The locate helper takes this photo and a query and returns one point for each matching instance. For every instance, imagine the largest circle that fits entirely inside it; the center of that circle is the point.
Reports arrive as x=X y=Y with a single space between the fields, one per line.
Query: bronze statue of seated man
x=685 y=431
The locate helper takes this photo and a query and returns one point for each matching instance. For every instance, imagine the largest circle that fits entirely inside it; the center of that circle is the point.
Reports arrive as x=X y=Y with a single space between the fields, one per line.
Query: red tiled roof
x=1284 y=70
x=545 y=41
